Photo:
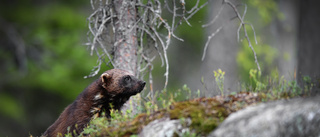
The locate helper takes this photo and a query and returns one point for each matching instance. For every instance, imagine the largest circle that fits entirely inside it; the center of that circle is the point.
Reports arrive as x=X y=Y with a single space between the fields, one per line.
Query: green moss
x=205 y=114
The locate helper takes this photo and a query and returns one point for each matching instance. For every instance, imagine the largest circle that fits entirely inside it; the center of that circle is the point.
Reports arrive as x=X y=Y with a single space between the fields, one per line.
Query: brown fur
x=114 y=87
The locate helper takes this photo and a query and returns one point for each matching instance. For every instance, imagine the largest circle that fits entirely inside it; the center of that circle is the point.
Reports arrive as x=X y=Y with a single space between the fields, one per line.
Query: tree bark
x=309 y=41
x=125 y=46
x=125 y=56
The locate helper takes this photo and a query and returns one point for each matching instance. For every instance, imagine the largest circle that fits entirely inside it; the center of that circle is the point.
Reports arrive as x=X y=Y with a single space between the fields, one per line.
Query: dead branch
x=242 y=25
x=149 y=22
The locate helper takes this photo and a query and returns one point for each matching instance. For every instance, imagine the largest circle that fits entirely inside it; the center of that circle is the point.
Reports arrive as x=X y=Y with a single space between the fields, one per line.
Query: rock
x=165 y=127
x=285 y=118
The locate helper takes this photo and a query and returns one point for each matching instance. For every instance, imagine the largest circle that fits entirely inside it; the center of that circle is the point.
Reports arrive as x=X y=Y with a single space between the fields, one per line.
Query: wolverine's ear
x=105 y=77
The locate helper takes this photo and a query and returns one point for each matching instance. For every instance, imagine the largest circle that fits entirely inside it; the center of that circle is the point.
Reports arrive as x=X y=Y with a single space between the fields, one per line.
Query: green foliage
x=189 y=134
x=267 y=9
x=96 y=125
x=262 y=13
x=56 y=61
x=59 y=30
x=275 y=87
x=9 y=107
x=308 y=83
x=219 y=78
x=266 y=57
x=255 y=82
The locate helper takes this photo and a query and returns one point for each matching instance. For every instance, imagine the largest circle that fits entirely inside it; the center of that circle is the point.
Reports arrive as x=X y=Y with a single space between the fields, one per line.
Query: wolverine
x=113 y=88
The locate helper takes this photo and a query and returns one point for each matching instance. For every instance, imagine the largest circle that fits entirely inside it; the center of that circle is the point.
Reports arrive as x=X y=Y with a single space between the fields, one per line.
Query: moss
x=205 y=114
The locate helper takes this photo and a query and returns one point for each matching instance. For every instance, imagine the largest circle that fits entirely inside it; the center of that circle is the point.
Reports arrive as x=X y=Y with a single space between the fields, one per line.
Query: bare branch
x=196 y=10
x=149 y=20
x=254 y=32
x=242 y=24
x=215 y=18
x=208 y=40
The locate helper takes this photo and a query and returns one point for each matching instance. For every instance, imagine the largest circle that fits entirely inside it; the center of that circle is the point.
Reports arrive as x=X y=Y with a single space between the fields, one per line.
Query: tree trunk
x=283 y=34
x=309 y=41
x=125 y=50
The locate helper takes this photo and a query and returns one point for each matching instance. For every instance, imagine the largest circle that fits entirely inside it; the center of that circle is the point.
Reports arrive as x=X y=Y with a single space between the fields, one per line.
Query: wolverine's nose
x=143 y=83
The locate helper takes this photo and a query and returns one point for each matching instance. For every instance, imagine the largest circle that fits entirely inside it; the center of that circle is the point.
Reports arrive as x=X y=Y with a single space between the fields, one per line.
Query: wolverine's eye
x=127 y=79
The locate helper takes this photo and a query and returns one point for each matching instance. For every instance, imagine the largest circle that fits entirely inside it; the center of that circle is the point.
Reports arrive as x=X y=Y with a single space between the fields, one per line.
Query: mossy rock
x=205 y=113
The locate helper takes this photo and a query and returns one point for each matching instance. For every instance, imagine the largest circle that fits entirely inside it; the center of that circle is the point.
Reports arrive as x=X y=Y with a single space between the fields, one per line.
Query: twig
x=243 y=24
x=148 y=22
x=208 y=40
x=215 y=17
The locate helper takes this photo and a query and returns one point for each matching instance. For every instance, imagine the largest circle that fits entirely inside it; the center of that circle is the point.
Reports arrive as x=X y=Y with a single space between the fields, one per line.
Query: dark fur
x=113 y=87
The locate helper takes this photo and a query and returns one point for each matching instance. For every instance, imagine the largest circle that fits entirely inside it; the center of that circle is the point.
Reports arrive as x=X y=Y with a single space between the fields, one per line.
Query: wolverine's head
x=114 y=87
x=121 y=82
